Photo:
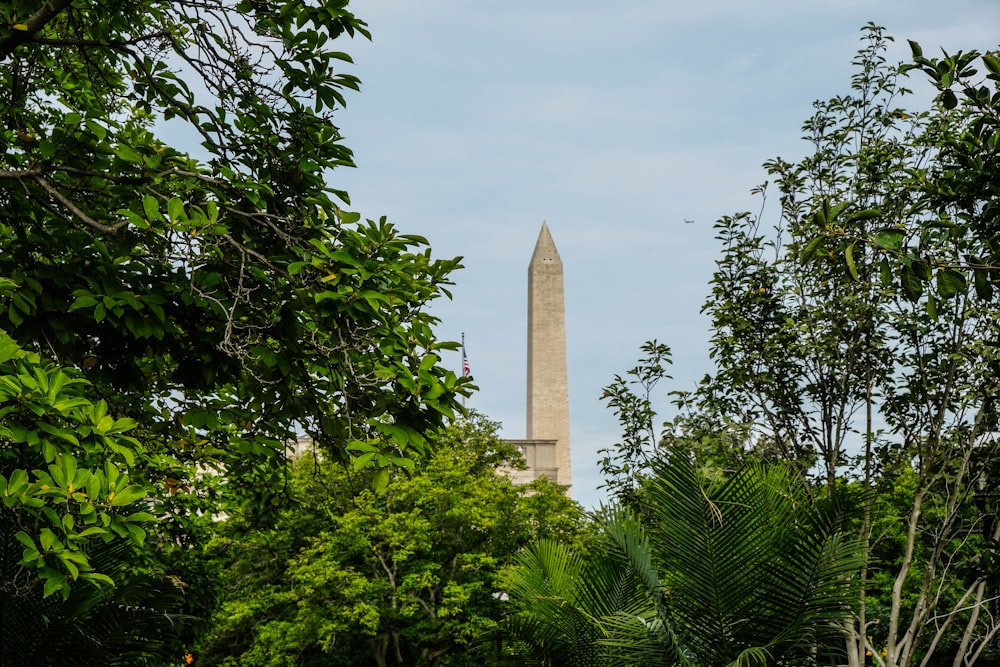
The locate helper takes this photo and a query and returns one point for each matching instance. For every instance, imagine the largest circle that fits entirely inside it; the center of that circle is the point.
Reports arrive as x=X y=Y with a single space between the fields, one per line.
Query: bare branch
x=23 y=173
x=89 y=43
x=75 y=210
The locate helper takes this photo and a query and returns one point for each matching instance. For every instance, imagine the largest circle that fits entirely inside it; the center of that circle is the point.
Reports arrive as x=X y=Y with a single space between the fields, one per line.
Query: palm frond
x=754 y=566
x=732 y=573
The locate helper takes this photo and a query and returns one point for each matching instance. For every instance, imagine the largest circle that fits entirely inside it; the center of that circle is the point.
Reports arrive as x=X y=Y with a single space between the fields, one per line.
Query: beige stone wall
x=540 y=457
x=548 y=386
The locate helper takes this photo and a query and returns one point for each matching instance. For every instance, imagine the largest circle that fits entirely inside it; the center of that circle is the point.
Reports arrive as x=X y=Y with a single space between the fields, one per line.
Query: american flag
x=466 y=368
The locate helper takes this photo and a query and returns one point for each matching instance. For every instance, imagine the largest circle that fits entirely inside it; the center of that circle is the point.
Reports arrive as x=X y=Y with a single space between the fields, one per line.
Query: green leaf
x=24 y=539
x=866 y=214
x=90 y=532
x=128 y=495
x=128 y=154
x=849 y=256
x=992 y=63
x=381 y=480
x=47 y=538
x=175 y=209
x=950 y=282
x=151 y=208
x=910 y=283
x=360 y=446
x=97 y=129
x=54 y=583
x=931 y=307
x=890 y=238
x=363 y=460
x=811 y=248
x=983 y=283
x=948 y=99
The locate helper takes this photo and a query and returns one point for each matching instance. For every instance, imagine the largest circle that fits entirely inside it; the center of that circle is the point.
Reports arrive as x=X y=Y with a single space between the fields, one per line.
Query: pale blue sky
x=614 y=122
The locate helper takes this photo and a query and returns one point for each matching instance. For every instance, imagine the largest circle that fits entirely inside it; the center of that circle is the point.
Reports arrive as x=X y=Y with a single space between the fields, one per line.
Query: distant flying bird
x=688 y=222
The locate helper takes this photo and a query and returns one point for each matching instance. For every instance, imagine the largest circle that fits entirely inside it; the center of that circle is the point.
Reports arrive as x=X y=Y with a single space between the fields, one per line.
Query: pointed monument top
x=548 y=386
x=545 y=248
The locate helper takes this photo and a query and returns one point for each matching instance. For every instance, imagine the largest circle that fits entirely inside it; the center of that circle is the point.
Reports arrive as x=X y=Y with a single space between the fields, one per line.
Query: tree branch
x=18 y=175
x=33 y=25
x=90 y=43
x=75 y=210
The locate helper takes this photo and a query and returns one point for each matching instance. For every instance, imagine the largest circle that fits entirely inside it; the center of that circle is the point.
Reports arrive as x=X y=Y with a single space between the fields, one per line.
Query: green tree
x=956 y=191
x=169 y=232
x=71 y=512
x=717 y=444
x=835 y=366
x=64 y=482
x=746 y=570
x=403 y=576
x=138 y=621
x=834 y=358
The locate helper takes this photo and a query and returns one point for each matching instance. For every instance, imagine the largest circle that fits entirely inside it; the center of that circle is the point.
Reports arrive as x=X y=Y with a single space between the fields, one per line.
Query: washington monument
x=548 y=387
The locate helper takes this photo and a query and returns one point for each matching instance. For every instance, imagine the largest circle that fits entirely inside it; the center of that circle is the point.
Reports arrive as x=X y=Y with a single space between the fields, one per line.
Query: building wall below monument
x=540 y=456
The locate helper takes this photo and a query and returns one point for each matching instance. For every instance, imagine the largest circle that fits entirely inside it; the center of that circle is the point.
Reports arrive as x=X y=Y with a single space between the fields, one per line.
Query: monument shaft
x=548 y=386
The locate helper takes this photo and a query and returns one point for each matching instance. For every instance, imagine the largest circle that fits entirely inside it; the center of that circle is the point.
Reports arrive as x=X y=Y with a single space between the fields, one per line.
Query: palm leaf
x=752 y=567
x=747 y=572
x=564 y=602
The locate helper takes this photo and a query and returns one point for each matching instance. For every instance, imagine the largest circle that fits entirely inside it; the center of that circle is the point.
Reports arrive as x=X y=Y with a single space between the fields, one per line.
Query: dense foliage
x=833 y=355
x=403 y=576
x=742 y=571
x=187 y=291
x=182 y=293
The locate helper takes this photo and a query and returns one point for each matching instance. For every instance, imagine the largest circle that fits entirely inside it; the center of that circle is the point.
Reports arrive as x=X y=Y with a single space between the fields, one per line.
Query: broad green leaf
x=992 y=64
x=24 y=539
x=127 y=153
x=890 y=238
x=175 y=209
x=47 y=538
x=363 y=460
x=381 y=480
x=885 y=272
x=97 y=129
x=948 y=99
x=950 y=282
x=984 y=284
x=128 y=495
x=810 y=248
x=931 y=306
x=137 y=534
x=361 y=446
x=866 y=214
x=910 y=283
x=53 y=584
x=91 y=531
x=151 y=208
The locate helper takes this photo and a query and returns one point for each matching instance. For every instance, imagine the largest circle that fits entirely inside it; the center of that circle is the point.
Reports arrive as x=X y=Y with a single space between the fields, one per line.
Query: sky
x=629 y=127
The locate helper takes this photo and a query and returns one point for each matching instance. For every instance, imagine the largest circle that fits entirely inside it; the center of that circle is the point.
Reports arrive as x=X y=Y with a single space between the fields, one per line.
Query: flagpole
x=465 y=364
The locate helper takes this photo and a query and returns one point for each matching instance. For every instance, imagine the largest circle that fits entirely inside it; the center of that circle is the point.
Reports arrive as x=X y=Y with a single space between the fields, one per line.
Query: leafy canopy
x=405 y=576
x=168 y=230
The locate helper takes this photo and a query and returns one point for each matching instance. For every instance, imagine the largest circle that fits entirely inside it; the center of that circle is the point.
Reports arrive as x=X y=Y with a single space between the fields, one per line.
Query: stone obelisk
x=548 y=387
